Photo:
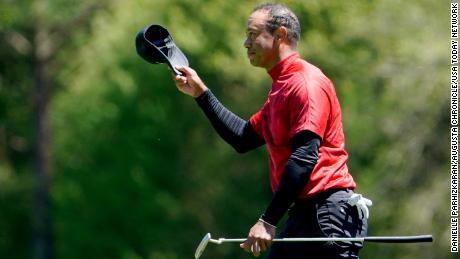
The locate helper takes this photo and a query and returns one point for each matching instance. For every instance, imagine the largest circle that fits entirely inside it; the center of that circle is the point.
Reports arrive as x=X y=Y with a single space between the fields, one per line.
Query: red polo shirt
x=303 y=98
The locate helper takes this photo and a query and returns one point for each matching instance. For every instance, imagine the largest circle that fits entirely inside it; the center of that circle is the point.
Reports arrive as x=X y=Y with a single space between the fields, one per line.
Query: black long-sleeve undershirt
x=242 y=137
x=305 y=146
x=234 y=130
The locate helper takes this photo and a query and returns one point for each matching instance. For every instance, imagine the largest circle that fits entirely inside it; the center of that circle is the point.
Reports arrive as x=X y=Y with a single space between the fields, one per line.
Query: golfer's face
x=259 y=42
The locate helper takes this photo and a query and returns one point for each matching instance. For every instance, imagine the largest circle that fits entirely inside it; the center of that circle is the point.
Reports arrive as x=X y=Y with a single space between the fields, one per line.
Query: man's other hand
x=259 y=238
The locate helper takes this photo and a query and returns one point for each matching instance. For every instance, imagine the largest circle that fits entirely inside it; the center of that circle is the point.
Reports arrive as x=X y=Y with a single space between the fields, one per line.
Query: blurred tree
x=36 y=31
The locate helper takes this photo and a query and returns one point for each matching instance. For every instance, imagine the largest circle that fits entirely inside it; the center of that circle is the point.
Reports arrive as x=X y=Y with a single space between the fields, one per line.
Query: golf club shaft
x=377 y=239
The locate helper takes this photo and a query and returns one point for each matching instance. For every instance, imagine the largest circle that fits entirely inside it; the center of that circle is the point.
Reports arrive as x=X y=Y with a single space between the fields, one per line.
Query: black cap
x=155 y=44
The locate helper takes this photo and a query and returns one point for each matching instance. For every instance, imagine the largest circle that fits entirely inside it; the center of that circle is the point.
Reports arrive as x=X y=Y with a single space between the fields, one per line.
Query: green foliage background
x=138 y=172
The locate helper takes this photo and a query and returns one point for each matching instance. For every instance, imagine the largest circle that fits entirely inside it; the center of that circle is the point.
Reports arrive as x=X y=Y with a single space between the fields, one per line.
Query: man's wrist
x=265 y=222
x=200 y=89
x=201 y=94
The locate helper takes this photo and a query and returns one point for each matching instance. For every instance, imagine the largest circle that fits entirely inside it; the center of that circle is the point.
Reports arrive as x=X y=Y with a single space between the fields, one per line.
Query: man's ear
x=281 y=34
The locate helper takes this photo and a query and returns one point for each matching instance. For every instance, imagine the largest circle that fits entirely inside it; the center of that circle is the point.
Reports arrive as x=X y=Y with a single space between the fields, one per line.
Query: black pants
x=326 y=215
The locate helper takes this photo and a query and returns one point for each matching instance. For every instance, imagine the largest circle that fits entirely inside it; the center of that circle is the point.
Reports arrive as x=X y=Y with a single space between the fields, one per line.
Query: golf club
x=376 y=239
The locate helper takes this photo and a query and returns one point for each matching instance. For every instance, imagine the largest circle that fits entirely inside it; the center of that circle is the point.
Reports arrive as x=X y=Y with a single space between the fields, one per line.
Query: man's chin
x=254 y=63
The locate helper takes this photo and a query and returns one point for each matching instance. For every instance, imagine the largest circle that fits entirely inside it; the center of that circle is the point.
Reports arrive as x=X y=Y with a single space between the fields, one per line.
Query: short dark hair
x=281 y=15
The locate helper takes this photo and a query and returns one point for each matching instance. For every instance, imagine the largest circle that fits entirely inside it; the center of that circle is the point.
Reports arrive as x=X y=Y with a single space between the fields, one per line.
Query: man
x=301 y=125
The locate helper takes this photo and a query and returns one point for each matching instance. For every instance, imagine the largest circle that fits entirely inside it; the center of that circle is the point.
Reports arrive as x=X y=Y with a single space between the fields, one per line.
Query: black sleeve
x=305 y=146
x=234 y=130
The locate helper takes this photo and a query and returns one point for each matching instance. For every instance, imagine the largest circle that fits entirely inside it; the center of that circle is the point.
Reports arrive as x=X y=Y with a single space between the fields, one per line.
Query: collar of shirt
x=283 y=67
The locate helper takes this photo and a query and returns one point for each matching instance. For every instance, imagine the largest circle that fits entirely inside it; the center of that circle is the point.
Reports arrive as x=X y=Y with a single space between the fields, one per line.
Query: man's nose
x=247 y=43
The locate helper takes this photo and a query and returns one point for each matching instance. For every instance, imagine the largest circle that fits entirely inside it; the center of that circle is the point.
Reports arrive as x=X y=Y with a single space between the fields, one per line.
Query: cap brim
x=177 y=59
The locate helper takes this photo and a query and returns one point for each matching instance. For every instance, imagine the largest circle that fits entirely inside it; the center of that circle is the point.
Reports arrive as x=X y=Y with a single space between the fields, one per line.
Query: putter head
x=204 y=242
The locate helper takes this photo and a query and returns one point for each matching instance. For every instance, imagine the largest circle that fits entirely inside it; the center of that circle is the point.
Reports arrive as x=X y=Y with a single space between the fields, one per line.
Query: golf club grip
x=401 y=239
